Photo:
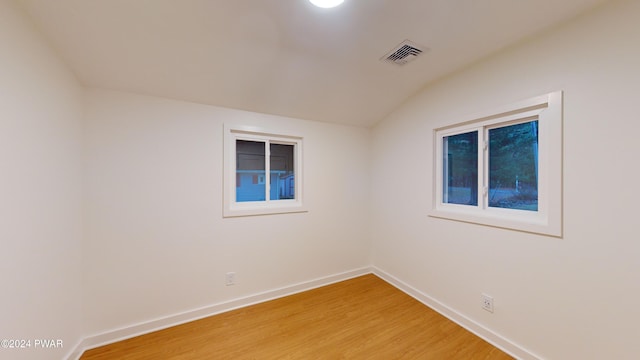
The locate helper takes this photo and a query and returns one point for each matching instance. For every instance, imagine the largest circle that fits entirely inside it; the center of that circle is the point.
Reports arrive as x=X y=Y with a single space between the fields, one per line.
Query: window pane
x=513 y=167
x=460 y=169
x=282 y=173
x=250 y=171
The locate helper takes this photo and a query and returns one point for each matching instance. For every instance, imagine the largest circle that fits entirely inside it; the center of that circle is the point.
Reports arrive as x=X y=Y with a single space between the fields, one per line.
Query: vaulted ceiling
x=285 y=57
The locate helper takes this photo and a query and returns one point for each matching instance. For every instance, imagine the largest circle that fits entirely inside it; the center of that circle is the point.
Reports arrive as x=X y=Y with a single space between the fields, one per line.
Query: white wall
x=40 y=192
x=157 y=244
x=570 y=298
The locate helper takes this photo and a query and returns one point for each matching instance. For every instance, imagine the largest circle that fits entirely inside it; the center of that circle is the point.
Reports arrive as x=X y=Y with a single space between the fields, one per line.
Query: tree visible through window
x=512 y=170
x=513 y=166
x=461 y=169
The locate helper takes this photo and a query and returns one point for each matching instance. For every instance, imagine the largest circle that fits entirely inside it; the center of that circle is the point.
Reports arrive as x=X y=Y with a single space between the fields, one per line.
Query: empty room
x=287 y=179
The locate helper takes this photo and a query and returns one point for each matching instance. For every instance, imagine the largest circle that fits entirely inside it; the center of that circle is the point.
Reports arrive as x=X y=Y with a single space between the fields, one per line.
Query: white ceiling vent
x=404 y=53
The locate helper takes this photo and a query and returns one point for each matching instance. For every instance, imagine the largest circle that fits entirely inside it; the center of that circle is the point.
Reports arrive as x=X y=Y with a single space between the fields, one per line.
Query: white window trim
x=231 y=208
x=547 y=109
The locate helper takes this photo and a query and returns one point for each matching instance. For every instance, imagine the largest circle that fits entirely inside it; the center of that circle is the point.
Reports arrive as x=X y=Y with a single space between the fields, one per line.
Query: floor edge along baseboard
x=147 y=327
x=474 y=327
x=128 y=332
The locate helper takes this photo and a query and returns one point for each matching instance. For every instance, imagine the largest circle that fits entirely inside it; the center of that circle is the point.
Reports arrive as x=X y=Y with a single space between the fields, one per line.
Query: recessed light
x=326 y=3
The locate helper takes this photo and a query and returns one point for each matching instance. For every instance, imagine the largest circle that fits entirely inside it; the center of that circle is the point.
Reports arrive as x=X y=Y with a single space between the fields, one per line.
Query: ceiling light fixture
x=326 y=3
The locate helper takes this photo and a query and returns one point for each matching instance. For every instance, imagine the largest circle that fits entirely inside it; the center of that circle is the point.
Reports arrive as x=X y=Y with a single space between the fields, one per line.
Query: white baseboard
x=196 y=314
x=481 y=331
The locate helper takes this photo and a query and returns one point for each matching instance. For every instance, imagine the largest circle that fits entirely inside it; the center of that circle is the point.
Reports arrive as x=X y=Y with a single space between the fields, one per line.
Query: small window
x=505 y=169
x=262 y=172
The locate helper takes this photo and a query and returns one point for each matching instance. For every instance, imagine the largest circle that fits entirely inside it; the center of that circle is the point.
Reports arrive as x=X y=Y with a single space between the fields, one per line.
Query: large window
x=262 y=172
x=503 y=169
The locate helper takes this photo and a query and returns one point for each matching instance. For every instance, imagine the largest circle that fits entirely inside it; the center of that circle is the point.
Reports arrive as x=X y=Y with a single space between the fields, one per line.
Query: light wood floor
x=361 y=318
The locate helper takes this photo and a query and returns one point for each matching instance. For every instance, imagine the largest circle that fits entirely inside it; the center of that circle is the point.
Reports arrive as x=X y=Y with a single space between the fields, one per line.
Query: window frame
x=547 y=220
x=233 y=208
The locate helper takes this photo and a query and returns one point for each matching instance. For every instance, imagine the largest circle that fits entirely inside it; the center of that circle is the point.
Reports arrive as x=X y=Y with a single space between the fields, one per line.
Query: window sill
x=524 y=221
x=253 y=209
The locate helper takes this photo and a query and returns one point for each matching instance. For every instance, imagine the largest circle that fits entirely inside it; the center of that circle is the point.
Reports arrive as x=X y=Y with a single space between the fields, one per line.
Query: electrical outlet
x=487 y=303
x=230 y=278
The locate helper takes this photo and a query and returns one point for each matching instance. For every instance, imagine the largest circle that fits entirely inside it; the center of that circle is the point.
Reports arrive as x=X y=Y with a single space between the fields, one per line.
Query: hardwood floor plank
x=361 y=318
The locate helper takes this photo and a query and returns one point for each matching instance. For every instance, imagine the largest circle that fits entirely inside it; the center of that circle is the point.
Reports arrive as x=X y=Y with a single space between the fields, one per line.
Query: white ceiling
x=284 y=57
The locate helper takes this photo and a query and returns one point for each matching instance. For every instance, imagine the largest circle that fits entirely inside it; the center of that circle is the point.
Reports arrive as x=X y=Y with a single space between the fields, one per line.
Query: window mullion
x=444 y=146
x=267 y=167
x=482 y=168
